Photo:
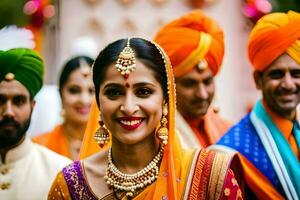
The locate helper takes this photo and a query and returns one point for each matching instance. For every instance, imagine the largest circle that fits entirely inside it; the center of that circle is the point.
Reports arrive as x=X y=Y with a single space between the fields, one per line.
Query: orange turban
x=190 y=39
x=273 y=35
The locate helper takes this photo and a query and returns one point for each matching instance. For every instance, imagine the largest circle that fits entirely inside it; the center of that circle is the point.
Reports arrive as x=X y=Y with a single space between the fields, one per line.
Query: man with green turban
x=26 y=169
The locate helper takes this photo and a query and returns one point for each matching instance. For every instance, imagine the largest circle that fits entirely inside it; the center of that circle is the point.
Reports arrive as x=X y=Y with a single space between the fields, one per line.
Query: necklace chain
x=132 y=182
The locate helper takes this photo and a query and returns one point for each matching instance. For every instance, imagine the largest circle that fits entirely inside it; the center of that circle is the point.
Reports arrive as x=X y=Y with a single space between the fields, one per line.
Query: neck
x=74 y=130
x=133 y=158
x=193 y=120
x=291 y=115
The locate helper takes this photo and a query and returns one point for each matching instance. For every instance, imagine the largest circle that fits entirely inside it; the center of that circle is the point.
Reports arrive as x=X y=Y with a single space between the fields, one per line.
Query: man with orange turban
x=195 y=45
x=268 y=139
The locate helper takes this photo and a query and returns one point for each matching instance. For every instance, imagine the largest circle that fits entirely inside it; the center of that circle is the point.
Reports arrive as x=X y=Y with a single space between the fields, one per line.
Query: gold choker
x=132 y=182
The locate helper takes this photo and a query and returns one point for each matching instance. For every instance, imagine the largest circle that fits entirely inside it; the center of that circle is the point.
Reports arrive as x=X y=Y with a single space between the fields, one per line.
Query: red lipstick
x=130 y=123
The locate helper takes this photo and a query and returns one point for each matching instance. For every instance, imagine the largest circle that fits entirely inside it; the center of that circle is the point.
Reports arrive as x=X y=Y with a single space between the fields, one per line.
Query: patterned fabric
x=78 y=187
x=282 y=157
x=200 y=180
x=231 y=189
x=212 y=178
x=243 y=138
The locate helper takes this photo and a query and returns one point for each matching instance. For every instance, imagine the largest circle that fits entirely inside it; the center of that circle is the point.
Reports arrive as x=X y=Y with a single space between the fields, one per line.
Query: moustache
x=9 y=122
x=199 y=101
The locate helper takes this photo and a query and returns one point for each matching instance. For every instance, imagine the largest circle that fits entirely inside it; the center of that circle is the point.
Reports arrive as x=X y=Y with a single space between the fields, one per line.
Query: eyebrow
x=141 y=84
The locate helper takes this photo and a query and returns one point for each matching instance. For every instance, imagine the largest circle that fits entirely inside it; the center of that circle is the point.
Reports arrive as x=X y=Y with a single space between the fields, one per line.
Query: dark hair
x=144 y=50
x=69 y=67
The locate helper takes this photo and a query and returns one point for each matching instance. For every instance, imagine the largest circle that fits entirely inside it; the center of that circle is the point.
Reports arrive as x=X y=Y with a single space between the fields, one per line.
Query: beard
x=11 y=137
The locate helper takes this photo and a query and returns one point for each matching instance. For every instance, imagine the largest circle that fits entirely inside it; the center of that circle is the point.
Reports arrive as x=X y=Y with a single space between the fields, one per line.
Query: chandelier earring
x=102 y=135
x=163 y=131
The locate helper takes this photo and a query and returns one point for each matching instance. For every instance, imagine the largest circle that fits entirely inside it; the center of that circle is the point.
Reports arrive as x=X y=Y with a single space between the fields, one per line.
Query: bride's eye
x=143 y=92
x=113 y=93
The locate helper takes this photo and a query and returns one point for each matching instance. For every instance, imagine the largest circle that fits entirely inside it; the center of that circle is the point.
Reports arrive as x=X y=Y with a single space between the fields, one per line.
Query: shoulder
x=238 y=131
x=45 y=137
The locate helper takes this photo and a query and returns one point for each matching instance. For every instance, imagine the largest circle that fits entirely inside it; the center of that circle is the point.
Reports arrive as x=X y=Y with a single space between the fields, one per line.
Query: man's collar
x=284 y=125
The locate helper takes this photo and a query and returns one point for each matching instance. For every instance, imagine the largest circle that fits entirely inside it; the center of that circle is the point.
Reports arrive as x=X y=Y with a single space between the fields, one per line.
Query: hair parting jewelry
x=84 y=67
x=132 y=182
x=126 y=60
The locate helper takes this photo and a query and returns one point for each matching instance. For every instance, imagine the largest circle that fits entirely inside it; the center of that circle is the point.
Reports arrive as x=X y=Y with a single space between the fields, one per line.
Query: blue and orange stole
x=258 y=139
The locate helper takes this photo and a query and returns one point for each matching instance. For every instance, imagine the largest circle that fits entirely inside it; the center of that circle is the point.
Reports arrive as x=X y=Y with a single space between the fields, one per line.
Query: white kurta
x=28 y=171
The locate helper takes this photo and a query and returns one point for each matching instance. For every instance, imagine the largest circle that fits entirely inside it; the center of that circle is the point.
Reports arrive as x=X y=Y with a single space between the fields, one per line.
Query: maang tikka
x=126 y=60
x=163 y=132
x=102 y=135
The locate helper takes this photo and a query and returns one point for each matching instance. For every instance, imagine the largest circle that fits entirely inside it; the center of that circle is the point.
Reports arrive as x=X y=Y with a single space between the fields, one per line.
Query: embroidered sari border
x=216 y=183
x=200 y=175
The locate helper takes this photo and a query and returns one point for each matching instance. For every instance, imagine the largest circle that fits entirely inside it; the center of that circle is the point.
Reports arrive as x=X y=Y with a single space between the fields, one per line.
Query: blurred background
x=66 y=28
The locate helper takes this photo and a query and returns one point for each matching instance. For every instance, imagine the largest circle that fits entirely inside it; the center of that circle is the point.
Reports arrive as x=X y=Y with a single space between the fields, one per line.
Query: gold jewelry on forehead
x=202 y=64
x=9 y=76
x=84 y=67
x=126 y=60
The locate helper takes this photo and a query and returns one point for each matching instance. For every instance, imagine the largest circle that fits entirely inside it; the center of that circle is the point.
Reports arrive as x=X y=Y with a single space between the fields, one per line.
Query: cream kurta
x=28 y=171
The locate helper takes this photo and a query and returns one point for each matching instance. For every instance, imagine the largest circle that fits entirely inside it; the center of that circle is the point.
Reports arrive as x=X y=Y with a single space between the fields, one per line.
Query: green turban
x=26 y=66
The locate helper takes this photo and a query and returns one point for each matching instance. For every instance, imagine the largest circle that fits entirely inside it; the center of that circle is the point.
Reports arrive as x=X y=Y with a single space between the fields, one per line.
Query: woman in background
x=76 y=91
x=135 y=95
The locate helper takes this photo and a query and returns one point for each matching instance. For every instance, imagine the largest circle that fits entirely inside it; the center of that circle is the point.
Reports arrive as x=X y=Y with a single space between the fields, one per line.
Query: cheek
x=211 y=90
x=108 y=109
x=184 y=93
x=69 y=99
x=153 y=108
x=25 y=112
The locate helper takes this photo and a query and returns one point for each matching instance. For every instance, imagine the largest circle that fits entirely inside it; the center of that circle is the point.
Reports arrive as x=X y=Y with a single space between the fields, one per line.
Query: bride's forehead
x=140 y=72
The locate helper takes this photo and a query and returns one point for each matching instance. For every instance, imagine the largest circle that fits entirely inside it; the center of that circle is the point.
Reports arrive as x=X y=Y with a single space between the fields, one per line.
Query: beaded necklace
x=132 y=182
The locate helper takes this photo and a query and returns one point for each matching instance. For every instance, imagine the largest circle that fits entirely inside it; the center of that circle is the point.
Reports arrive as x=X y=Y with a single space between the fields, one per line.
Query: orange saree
x=204 y=175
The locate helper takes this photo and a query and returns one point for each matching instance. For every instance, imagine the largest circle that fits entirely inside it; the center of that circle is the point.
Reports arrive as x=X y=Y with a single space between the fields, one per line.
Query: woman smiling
x=135 y=94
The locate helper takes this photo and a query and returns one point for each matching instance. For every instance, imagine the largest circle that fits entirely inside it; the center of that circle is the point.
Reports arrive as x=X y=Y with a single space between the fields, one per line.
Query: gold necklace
x=132 y=182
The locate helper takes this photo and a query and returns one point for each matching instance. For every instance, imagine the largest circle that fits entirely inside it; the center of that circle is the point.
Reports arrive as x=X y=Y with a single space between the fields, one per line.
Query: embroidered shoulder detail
x=78 y=187
x=201 y=175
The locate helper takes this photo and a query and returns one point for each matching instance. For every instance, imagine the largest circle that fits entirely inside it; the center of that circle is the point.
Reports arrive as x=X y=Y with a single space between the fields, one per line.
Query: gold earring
x=163 y=131
x=102 y=135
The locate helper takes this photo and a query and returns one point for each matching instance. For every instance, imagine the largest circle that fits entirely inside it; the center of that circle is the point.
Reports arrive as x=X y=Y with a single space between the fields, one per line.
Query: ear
x=257 y=79
x=32 y=103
